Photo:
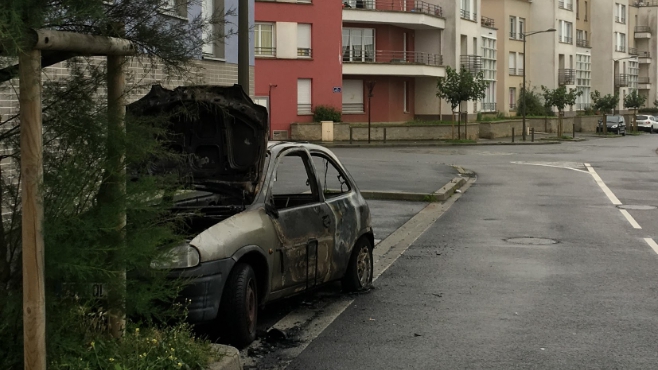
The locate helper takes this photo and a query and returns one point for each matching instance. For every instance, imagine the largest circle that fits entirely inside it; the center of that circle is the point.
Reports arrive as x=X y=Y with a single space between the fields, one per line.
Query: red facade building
x=298 y=59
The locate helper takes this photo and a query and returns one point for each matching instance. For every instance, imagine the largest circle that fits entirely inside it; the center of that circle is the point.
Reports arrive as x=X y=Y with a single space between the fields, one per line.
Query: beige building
x=644 y=22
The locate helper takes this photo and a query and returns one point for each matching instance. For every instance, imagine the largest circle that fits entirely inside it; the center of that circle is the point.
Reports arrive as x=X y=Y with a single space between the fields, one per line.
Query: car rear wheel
x=360 y=269
x=238 y=311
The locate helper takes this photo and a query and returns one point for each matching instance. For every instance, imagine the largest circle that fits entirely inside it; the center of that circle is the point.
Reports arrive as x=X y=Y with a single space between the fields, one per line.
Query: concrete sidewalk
x=381 y=144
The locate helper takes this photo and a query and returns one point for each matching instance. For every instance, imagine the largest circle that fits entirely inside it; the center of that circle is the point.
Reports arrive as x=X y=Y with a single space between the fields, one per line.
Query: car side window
x=292 y=183
x=333 y=181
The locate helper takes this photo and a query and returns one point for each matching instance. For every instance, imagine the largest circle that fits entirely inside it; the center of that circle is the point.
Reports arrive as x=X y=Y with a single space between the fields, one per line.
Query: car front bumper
x=203 y=288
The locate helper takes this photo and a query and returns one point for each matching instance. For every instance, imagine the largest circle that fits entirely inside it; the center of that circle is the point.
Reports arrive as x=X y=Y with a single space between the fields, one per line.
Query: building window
x=358 y=45
x=633 y=71
x=583 y=80
x=512 y=63
x=577 y=9
x=512 y=98
x=405 y=97
x=304 y=40
x=468 y=10
x=566 y=4
x=585 y=11
x=212 y=47
x=304 y=96
x=264 y=39
x=620 y=42
x=620 y=13
x=512 y=27
x=358 y=4
x=177 y=8
x=566 y=32
x=521 y=28
x=352 y=96
x=489 y=73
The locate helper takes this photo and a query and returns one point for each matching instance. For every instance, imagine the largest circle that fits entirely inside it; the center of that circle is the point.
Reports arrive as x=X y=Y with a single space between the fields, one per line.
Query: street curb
x=330 y=144
x=229 y=360
x=438 y=196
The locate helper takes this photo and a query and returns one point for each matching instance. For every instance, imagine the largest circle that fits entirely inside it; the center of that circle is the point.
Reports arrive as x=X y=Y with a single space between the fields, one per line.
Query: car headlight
x=614 y=126
x=184 y=256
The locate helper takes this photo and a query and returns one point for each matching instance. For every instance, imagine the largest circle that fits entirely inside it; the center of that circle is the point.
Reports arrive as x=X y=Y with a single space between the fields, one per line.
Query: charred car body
x=267 y=220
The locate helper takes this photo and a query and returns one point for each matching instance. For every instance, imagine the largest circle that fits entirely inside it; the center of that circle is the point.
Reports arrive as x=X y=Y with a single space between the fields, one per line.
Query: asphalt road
x=534 y=267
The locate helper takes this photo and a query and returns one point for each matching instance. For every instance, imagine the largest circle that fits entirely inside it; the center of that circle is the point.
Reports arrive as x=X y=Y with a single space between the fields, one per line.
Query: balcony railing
x=643 y=54
x=642 y=29
x=566 y=76
x=632 y=51
x=487 y=22
x=565 y=5
x=512 y=106
x=620 y=48
x=643 y=80
x=621 y=80
x=516 y=71
x=465 y=14
x=472 y=63
x=566 y=39
x=304 y=52
x=582 y=43
x=392 y=57
x=488 y=107
x=265 y=51
x=410 y=6
x=353 y=108
x=304 y=108
x=619 y=19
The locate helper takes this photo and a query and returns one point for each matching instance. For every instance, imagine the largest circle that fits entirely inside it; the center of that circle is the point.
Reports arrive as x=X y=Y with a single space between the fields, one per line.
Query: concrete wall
x=313 y=132
x=500 y=129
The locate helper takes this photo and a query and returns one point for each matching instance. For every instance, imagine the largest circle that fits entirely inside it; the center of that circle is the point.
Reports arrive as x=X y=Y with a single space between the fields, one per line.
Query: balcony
x=620 y=48
x=393 y=63
x=582 y=43
x=304 y=52
x=644 y=57
x=472 y=63
x=487 y=22
x=468 y=15
x=488 y=107
x=565 y=5
x=566 y=76
x=566 y=39
x=261 y=51
x=516 y=71
x=642 y=32
x=643 y=83
x=632 y=51
x=412 y=14
x=621 y=80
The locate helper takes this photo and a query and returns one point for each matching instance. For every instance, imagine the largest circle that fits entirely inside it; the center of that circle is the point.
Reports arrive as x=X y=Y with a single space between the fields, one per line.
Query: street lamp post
x=370 y=85
x=525 y=103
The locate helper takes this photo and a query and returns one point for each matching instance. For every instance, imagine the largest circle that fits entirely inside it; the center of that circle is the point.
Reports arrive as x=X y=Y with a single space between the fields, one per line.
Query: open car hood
x=221 y=132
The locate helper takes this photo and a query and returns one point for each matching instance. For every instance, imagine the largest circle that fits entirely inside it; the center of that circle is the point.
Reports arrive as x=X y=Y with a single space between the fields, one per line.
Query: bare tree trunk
x=459 y=123
x=452 y=131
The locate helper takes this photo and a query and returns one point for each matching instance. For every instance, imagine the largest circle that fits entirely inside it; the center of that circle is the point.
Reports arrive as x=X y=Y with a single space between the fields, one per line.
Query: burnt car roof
x=221 y=131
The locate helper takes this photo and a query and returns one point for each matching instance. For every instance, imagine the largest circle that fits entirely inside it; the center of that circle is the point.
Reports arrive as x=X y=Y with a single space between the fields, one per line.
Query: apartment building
x=615 y=68
x=297 y=45
x=391 y=56
x=644 y=26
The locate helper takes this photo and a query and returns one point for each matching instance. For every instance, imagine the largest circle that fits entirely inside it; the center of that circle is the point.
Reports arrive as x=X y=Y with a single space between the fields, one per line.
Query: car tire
x=238 y=311
x=360 y=269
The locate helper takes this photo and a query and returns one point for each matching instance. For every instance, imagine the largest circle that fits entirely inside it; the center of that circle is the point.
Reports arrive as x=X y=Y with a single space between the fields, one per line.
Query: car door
x=343 y=202
x=302 y=221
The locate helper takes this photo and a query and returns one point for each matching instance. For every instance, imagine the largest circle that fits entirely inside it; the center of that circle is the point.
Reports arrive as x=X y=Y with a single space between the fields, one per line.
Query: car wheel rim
x=364 y=266
x=251 y=306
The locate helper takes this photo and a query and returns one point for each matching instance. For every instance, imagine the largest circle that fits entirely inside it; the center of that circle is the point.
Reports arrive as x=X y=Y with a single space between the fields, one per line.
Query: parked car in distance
x=615 y=123
x=647 y=123
x=266 y=220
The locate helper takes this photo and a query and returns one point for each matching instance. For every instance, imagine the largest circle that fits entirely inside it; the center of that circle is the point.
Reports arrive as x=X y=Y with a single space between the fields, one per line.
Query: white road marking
x=603 y=186
x=652 y=244
x=553 y=165
x=630 y=219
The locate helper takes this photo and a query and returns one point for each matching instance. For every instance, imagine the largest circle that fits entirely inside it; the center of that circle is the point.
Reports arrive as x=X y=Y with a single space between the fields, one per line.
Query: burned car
x=267 y=219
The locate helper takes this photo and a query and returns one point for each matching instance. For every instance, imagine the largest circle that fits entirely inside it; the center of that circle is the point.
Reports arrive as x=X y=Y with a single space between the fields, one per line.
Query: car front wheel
x=238 y=310
x=360 y=269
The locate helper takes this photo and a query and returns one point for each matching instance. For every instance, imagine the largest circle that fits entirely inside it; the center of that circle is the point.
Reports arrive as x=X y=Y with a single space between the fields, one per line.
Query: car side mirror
x=271 y=210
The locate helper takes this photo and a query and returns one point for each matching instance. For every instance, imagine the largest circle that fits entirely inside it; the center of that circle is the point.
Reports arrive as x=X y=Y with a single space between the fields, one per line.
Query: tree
x=634 y=100
x=80 y=227
x=604 y=104
x=560 y=98
x=462 y=86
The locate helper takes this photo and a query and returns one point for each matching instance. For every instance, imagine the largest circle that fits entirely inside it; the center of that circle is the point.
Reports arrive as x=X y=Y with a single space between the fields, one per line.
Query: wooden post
x=34 y=307
x=116 y=181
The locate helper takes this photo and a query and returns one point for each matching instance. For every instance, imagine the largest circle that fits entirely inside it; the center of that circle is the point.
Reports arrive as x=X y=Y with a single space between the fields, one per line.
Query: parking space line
x=630 y=219
x=603 y=186
x=652 y=244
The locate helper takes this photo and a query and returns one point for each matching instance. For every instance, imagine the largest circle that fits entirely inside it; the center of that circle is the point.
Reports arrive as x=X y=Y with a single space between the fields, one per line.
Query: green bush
x=533 y=103
x=326 y=113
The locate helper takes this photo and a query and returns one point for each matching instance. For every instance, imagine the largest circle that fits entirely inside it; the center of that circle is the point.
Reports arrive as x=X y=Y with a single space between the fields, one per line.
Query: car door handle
x=326 y=221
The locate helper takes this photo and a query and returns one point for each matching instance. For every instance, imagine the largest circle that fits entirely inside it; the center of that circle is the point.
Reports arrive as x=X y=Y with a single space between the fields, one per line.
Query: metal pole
x=525 y=103
x=512 y=134
x=351 y=134
x=369 y=120
x=243 y=45
x=574 y=130
x=533 y=134
x=384 y=134
x=34 y=302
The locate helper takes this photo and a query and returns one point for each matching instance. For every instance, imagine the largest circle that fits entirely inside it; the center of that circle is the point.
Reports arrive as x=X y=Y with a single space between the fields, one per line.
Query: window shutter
x=303 y=36
x=304 y=96
x=352 y=96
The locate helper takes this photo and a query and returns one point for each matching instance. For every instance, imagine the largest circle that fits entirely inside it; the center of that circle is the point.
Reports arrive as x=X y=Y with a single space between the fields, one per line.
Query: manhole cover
x=532 y=241
x=637 y=207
